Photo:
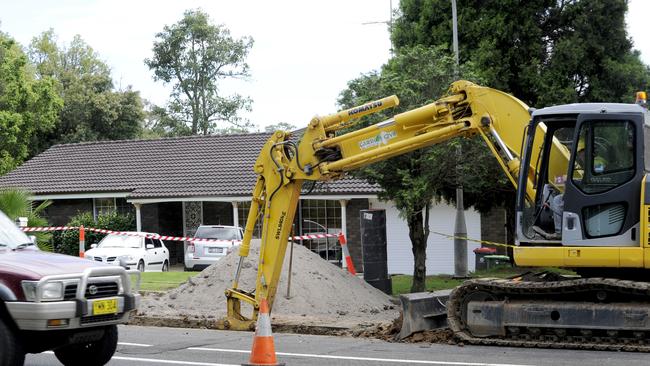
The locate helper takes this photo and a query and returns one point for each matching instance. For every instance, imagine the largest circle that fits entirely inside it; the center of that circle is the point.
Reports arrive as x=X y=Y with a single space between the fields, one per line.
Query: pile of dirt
x=322 y=294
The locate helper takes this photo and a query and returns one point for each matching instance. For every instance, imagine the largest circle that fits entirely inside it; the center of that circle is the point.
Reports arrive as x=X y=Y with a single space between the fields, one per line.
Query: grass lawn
x=163 y=281
x=402 y=283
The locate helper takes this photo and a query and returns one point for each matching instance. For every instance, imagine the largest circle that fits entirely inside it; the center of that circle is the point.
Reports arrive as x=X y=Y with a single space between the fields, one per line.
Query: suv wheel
x=11 y=350
x=141 y=266
x=96 y=353
x=165 y=267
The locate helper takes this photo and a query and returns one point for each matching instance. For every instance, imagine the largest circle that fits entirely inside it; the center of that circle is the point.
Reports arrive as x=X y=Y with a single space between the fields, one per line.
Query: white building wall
x=440 y=249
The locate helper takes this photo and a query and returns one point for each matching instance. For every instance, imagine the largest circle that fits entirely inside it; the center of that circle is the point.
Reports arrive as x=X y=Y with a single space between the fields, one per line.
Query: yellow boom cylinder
x=332 y=121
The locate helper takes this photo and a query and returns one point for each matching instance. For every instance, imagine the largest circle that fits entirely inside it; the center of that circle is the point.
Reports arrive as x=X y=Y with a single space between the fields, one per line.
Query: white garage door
x=440 y=250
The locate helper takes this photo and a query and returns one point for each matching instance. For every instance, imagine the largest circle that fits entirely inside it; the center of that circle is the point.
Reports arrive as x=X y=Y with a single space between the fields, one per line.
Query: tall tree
x=194 y=56
x=29 y=106
x=542 y=51
x=160 y=123
x=93 y=109
x=420 y=75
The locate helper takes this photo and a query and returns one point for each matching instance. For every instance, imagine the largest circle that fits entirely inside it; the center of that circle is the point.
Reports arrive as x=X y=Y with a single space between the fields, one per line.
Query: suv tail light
x=190 y=247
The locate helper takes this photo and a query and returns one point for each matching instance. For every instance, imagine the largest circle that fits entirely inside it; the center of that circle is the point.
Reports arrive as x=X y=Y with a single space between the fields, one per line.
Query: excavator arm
x=322 y=154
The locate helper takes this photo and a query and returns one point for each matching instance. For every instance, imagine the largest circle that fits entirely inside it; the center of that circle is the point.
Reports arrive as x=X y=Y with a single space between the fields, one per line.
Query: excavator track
x=576 y=290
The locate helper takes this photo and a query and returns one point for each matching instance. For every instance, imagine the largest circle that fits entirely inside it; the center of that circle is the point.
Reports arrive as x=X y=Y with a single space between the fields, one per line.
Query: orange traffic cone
x=346 y=254
x=263 y=353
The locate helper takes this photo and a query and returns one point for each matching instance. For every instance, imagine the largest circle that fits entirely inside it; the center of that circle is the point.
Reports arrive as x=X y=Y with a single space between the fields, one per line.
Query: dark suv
x=59 y=302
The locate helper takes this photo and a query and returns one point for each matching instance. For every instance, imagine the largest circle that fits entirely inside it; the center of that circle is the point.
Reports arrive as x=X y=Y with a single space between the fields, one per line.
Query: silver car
x=199 y=254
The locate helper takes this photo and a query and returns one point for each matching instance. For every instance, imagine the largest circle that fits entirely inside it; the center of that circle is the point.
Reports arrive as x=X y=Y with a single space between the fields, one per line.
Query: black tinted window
x=604 y=155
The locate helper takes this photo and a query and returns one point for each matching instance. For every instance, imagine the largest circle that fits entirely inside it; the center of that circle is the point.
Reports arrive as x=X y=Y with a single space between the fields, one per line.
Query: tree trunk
x=419 y=248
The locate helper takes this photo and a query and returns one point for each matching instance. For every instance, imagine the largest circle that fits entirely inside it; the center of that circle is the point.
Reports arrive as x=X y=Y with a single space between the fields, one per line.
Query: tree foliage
x=160 y=123
x=420 y=75
x=194 y=56
x=29 y=106
x=67 y=242
x=92 y=109
x=280 y=126
x=544 y=52
x=16 y=203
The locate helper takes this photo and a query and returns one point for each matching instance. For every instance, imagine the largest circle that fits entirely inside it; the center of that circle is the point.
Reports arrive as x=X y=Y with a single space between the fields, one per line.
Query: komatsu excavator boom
x=582 y=203
x=283 y=166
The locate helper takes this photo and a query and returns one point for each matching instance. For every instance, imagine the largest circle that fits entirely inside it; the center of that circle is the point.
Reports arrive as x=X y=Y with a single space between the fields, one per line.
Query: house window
x=242 y=212
x=123 y=207
x=322 y=217
x=105 y=206
x=319 y=217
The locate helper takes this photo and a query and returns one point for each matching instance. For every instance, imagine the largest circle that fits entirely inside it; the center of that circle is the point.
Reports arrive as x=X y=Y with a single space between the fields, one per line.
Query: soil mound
x=322 y=294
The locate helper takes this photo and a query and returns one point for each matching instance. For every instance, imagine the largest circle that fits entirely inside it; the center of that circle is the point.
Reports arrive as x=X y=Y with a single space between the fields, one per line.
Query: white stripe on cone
x=263 y=328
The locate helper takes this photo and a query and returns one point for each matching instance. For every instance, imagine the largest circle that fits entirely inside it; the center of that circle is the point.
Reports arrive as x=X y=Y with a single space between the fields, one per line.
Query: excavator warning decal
x=381 y=139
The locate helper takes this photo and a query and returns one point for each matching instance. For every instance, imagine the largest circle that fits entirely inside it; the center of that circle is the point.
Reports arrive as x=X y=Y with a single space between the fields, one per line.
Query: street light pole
x=455 y=35
x=460 y=227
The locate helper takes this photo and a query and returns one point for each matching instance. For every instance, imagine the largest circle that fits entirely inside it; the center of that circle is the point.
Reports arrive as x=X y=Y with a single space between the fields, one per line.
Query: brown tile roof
x=196 y=166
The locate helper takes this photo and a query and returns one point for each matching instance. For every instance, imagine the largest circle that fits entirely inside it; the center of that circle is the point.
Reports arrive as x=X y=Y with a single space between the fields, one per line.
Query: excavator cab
x=587 y=192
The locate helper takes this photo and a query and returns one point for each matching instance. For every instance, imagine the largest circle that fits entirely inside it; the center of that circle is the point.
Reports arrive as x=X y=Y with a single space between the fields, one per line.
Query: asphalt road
x=175 y=346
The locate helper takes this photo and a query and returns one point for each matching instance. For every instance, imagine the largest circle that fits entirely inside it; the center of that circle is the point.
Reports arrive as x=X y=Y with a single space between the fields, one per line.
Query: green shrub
x=16 y=203
x=67 y=242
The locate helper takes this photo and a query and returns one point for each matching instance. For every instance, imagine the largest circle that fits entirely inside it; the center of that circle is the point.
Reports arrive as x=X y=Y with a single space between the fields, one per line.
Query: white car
x=199 y=254
x=131 y=251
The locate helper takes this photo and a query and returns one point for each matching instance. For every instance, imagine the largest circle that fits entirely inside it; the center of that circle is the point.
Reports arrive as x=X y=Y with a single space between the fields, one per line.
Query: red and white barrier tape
x=156 y=236
x=49 y=228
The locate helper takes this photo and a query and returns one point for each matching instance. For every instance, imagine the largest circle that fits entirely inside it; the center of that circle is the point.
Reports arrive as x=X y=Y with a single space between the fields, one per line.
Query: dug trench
x=325 y=300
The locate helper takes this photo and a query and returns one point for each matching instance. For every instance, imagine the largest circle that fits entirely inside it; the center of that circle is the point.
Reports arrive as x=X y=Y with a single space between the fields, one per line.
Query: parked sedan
x=199 y=254
x=130 y=251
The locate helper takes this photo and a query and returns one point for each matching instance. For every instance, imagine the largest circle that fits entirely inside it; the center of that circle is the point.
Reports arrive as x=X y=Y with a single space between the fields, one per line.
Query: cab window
x=604 y=156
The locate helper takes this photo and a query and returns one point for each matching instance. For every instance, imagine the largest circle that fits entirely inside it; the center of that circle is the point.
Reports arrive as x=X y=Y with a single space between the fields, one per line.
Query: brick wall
x=354 y=231
x=61 y=211
x=493 y=226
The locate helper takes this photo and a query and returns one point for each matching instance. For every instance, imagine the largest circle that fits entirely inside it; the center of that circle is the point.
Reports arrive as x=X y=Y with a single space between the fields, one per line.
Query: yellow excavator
x=582 y=203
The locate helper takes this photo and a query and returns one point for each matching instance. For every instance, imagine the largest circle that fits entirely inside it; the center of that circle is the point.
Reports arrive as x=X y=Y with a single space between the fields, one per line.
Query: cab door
x=602 y=194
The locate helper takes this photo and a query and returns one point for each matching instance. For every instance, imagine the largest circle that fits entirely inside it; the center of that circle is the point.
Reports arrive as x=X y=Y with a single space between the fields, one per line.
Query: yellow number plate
x=105 y=307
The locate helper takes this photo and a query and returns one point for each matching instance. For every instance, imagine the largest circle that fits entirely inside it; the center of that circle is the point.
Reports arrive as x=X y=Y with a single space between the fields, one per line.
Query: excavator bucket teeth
x=423 y=311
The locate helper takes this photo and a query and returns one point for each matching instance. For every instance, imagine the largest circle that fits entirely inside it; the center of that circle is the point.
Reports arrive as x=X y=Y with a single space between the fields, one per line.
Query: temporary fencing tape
x=474 y=240
x=156 y=236
x=183 y=238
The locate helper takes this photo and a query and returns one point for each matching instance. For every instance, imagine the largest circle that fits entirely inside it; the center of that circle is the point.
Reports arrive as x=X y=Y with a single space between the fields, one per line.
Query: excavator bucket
x=423 y=311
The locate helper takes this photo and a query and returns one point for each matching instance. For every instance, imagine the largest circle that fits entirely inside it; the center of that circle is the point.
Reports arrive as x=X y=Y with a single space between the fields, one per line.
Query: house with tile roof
x=173 y=185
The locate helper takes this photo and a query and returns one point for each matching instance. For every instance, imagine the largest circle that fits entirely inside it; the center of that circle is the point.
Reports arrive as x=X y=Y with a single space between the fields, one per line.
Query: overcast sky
x=303 y=56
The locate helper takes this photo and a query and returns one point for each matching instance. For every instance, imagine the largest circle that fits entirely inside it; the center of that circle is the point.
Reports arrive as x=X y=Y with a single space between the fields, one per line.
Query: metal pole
x=293 y=233
x=455 y=35
x=460 y=229
x=460 y=232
